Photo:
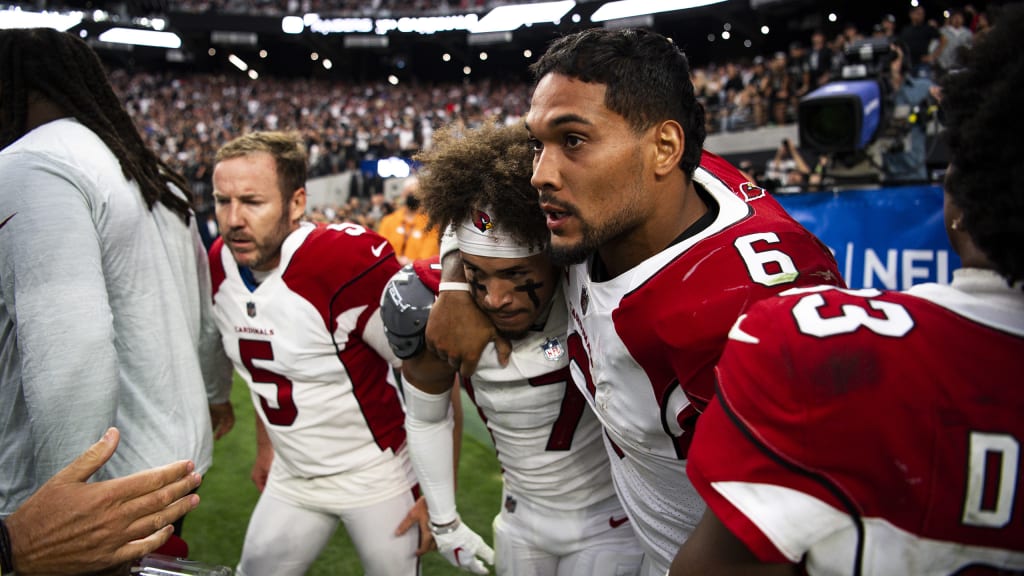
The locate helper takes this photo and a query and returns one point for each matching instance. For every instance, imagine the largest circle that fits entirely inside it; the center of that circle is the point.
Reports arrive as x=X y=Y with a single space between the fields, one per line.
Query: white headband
x=479 y=236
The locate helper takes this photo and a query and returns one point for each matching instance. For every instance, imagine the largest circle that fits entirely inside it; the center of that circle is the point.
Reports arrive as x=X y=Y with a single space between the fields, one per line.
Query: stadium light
x=292 y=25
x=508 y=18
x=631 y=8
x=18 y=18
x=138 y=37
x=238 y=62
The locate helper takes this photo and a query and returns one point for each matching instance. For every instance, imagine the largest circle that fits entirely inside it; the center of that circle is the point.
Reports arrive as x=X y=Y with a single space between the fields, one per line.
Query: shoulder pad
x=404 y=308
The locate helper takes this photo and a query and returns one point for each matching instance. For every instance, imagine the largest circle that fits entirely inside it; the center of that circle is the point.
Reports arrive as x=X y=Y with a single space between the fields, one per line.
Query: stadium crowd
x=185 y=118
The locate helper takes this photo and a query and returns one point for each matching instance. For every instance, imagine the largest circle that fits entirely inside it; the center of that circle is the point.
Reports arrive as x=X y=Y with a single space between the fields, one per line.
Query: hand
x=69 y=525
x=465 y=549
x=223 y=418
x=261 y=468
x=418 y=515
x=458 y=331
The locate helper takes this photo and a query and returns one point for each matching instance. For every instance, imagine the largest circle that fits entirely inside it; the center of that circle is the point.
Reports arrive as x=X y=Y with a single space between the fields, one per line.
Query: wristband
x=454 y=286
x=448 y=528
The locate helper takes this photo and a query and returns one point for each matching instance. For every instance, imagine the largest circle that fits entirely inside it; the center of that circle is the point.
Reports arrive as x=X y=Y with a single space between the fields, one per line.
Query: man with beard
x=296 y=305
x=666 y=246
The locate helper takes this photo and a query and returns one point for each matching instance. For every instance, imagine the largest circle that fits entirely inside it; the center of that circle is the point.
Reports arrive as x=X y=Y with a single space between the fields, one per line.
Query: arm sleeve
x=428 y=428
x=56 y=297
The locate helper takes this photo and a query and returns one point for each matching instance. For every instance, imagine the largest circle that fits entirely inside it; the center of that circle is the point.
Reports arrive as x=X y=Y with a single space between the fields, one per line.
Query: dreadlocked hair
x=484 y=168
x=983 y=122
x=63 y=69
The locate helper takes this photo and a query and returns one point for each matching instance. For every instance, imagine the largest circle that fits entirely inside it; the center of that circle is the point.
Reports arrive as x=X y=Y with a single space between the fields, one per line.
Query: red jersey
x=865 y=432
x=644 y=344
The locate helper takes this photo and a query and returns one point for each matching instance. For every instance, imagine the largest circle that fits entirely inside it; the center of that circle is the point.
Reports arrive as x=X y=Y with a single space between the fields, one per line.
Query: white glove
x=462 y=547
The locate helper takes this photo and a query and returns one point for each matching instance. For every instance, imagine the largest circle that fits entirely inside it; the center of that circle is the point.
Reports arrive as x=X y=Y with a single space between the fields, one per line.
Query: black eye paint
x=531 y=288
x=477 y=287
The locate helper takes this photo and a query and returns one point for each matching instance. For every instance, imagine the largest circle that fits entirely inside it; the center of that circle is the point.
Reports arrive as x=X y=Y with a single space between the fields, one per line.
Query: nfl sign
x=552 y=349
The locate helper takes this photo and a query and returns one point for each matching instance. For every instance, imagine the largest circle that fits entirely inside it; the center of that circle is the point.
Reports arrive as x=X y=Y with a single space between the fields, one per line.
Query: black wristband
x=6 y=554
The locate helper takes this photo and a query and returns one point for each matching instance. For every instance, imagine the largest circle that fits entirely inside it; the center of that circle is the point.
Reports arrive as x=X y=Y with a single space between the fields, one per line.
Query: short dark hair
x=984 y=123
x=487 y=167
x=62 y=68
x=287 y=149
x=647 y=79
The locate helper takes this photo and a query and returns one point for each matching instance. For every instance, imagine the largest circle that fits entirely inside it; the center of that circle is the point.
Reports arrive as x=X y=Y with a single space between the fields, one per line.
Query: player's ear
x=669 y=142
x=297 y=205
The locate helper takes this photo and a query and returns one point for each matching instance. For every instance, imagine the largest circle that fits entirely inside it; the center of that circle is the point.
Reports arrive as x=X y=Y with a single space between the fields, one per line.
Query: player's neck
x=661 y=229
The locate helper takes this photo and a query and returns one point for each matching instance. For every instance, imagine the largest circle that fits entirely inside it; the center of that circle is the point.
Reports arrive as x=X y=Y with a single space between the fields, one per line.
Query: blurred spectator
x=406 y=227
x=819 y=61
x=955 y=36
x=787 y=172
x=917 y=36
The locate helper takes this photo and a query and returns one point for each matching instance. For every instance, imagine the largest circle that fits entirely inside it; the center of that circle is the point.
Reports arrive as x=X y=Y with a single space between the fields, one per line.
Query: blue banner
x=887 y=238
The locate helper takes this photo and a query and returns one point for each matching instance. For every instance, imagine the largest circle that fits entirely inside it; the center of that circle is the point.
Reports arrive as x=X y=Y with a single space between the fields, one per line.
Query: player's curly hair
x=485 y=167
x=63 y=69
x=646 y=78
x=984 y=122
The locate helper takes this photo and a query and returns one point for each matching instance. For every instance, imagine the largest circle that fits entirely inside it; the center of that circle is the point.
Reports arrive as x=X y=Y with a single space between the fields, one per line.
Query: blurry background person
x=870 y=432
x=104 y=309
x=406 y=227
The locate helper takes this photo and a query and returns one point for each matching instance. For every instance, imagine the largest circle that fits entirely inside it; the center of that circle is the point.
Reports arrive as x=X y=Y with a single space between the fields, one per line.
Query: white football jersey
x=325 y=396
x=548 y=441
x=643 y=345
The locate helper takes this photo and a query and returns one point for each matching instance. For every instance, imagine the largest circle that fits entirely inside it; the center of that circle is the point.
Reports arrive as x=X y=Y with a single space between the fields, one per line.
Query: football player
x=869 y=432
x=296 y=305
x=666 y=248
x=559 y=515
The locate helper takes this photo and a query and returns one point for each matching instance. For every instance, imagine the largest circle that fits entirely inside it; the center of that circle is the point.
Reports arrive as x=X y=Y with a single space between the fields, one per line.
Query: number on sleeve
x=564 y=428
x=766 y=267
x=285 y=413
x=347 y=228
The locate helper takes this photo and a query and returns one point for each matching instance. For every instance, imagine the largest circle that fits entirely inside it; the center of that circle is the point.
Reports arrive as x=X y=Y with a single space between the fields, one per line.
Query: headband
x=479 y=236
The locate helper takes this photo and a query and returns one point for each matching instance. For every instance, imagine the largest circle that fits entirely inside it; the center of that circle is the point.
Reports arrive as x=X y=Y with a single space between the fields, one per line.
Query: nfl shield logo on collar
x=250 y=308
x=552 y=349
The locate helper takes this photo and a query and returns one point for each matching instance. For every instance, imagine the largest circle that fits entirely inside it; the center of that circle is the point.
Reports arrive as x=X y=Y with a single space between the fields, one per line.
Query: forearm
x=429 y=426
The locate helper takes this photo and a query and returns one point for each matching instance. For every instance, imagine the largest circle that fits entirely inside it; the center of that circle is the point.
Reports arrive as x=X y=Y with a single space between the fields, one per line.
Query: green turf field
x=216 y=529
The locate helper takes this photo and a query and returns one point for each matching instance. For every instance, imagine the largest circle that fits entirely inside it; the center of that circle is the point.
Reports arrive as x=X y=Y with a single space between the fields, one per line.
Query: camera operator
x=905 y=160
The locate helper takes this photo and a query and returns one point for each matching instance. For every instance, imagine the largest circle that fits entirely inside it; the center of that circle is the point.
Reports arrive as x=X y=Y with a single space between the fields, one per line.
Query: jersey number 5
x=285 y=413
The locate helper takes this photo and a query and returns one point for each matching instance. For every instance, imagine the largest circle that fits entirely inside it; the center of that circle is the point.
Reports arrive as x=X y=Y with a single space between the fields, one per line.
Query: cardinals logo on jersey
x=553 y=349
x=482 y=221
x=751 y=191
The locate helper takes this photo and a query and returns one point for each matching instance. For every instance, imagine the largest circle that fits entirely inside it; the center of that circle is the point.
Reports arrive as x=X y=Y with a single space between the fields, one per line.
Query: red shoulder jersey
x=864 y=432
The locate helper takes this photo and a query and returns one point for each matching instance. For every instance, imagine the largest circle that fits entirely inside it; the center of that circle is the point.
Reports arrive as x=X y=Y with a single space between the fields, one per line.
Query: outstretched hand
x=72 y=526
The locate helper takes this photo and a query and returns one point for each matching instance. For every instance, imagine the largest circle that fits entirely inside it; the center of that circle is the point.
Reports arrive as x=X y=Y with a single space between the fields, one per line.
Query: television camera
x=861 y=121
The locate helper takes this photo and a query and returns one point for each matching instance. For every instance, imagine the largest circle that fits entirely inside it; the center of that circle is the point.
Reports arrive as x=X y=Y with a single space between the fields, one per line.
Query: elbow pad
x=404 y=309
